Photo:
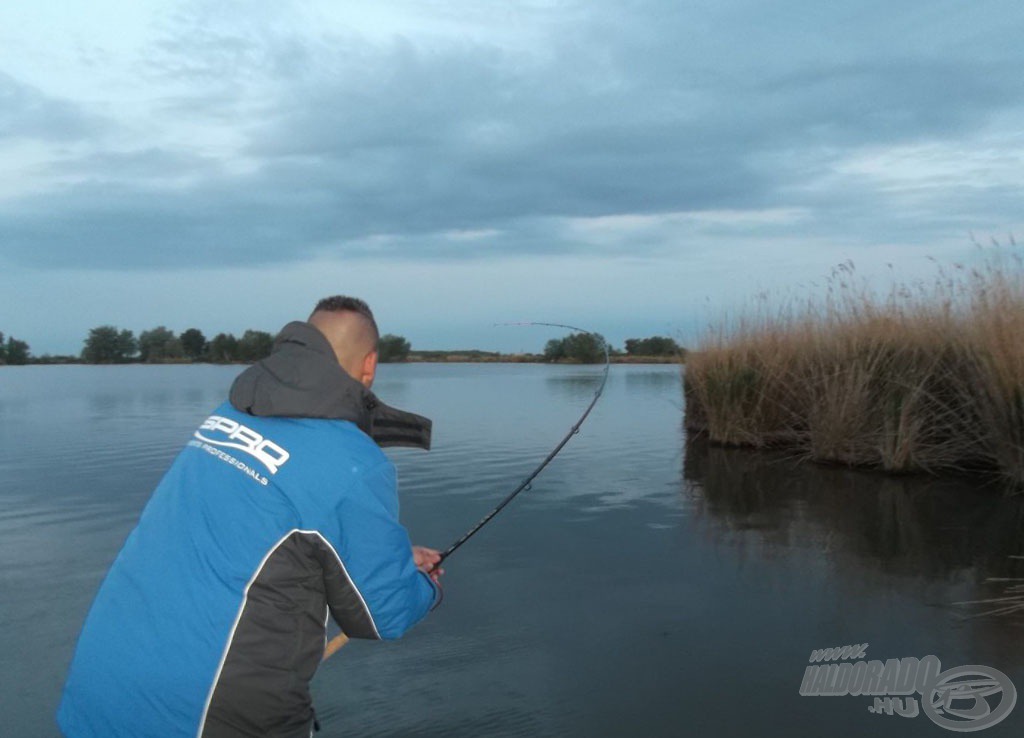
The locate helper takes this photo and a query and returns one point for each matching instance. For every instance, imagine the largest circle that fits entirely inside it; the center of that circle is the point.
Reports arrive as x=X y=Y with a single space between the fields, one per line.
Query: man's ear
x=369 y=369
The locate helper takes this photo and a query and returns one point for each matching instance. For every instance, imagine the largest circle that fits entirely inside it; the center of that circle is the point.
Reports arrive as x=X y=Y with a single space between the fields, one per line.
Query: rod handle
x=334 y=645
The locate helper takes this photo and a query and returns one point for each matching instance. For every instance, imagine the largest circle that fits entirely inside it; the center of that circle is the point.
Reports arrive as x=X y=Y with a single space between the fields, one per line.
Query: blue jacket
x=211 y=621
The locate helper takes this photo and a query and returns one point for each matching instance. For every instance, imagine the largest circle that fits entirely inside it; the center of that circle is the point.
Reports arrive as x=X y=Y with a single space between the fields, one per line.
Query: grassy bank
x=926 y=378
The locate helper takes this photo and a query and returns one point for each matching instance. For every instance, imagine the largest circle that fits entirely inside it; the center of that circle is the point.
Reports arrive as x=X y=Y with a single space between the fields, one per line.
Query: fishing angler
x=281 y=509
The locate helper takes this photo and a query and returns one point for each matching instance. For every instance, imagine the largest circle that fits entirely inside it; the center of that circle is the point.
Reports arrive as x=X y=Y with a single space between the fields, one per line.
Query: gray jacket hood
x=302 y=379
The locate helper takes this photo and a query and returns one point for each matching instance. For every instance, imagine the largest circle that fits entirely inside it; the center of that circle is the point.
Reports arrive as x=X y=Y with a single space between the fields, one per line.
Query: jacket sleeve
x=373 y=587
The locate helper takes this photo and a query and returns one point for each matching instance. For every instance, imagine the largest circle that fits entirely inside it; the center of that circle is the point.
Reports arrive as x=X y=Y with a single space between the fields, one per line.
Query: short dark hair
x=344 y=303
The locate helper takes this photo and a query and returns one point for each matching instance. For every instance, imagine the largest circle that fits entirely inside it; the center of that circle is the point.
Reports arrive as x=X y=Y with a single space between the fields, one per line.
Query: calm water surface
x=643 y=587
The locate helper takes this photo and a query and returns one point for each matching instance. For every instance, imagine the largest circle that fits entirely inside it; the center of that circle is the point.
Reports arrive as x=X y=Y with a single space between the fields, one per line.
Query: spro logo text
x=241 y=438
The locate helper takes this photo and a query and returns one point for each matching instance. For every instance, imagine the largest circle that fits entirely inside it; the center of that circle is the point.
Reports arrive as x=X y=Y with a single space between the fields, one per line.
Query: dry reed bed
x=927 y=378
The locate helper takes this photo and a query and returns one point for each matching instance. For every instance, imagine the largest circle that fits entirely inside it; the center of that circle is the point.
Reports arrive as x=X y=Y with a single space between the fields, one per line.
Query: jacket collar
x=302 y=379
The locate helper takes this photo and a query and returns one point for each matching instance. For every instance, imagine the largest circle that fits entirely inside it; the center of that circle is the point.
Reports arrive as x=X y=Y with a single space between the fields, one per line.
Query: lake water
x=643 y=587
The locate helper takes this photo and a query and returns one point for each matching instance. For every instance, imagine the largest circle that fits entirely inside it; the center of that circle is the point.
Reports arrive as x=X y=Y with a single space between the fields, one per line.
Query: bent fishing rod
x=528 y=481
x=341 y=639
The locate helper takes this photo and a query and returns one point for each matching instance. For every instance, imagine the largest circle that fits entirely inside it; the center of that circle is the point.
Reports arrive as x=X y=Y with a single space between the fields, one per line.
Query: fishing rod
x=341 y=639
x=527 y=482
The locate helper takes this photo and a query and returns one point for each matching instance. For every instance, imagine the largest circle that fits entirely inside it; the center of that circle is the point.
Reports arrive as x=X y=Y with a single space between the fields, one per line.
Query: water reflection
x=577 y=385
x=656 y=379
x=909 y=525
x=940 y=541
x=103 y=404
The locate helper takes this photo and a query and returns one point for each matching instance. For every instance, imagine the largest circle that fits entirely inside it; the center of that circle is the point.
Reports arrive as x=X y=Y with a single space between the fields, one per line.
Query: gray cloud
x=361 y=148
x=26 y=113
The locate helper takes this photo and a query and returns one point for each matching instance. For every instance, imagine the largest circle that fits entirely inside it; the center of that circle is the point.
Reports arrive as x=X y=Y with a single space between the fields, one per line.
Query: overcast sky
x=633 y=167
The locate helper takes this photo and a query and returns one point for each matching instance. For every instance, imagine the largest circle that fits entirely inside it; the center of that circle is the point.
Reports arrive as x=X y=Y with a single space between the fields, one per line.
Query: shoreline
x=454 y=358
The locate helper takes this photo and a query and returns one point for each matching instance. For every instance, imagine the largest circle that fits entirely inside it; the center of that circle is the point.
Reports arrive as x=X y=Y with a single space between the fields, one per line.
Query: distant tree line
x=392 y=348
x=582 y=348
x=108 y=344
x=588 y=348
x=653 y=346
x=13 y=351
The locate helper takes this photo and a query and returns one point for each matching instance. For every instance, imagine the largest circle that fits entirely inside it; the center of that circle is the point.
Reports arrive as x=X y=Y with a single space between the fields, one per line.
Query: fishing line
x=527 y=482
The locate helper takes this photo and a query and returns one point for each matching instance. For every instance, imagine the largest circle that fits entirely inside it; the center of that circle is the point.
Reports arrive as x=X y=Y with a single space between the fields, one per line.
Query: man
x=282 y=508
